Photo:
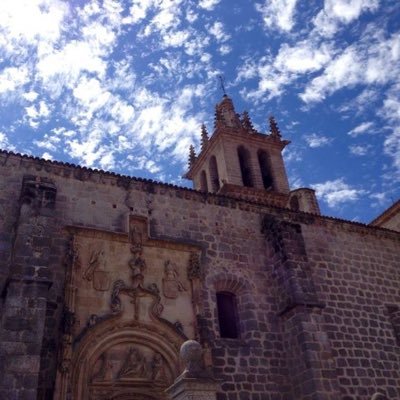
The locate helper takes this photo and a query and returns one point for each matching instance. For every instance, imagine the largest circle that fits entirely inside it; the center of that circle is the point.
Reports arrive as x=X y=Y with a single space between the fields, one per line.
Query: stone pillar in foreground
x=195 y=383
x=22 y=322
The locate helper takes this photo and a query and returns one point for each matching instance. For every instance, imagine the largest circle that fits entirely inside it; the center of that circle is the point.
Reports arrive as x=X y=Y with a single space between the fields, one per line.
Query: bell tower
x=239 y=161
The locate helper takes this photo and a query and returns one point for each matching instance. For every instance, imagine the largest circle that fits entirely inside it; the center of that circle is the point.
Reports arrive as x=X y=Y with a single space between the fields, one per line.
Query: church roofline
x=222 y=200
x=386 y=214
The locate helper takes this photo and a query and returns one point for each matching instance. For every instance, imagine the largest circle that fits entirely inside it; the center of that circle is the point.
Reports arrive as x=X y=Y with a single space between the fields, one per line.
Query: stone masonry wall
x=355 y=275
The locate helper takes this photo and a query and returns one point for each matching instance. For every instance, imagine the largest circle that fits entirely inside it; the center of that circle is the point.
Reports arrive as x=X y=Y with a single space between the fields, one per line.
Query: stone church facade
x=104 y=277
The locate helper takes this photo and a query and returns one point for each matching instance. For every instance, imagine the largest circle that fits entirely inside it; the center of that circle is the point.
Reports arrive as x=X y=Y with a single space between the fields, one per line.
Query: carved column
x=309 y=357
x=26 y=292
x=195 y=383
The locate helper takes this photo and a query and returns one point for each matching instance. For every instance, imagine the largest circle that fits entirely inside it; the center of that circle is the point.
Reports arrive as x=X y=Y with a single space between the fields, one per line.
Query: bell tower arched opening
x=214 y=174
x=265 y=168
x=245 y=166
x=203 y=182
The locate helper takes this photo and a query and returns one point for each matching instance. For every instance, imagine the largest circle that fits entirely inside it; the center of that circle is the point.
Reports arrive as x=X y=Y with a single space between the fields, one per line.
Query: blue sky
x=124 y=85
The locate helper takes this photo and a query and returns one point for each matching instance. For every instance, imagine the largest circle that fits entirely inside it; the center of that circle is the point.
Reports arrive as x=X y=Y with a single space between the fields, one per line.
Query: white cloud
x=208 y=5
x=175 y=39
x=5 y=143
x=30 y=96
x=91 y=95
x=306 y=56
x=337 y=12
x=381 y=198
x=27 y=22
x=167 y=17
x=336 y=192
x=217 y=30
x=12 y=78
x=37 y=113
x=225 y=49
x=274 y=74
x=191 y=16
x=391 y=111
x=271 y=83
x=359 y=150
x=360 y=129
x=372 y=61
x=47 y=156
x=64 y=67
x=345 y=70
x=292 y=154
x=138 y=10
x=278 y=14
x=314 y=140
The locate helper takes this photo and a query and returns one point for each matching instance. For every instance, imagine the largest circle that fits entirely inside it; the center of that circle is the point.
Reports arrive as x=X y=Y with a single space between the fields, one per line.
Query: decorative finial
x=273 y=126
x=204 y=137
x=222 y=84
x=192 y=356
x=218 y=117
x=192 y=156
x=246 y=122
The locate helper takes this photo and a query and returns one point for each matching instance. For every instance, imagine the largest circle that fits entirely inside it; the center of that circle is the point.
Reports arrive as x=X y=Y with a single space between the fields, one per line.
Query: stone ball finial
x=192 y=355
x=379 y=396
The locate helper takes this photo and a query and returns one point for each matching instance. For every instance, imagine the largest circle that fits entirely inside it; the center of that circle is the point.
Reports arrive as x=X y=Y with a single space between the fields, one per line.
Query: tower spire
x=273 y=127
x=222 y=84
x=246 y=123
x=204 y=137
x=192 y=156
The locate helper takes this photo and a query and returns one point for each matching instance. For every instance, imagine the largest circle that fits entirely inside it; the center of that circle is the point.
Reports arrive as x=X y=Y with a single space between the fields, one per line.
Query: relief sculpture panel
x=132 y=303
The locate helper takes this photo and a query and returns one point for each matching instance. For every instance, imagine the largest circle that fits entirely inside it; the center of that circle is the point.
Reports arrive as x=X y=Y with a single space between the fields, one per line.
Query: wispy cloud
x=13 y=78
x=208 y=5
x=4 y=142
x=391 y=110
x=374 y=61
x=314 y=140
x=340 y=12
x=337 y=192
x=361 y=129
x=278 y=14
x=217 y=30
x=359 y=150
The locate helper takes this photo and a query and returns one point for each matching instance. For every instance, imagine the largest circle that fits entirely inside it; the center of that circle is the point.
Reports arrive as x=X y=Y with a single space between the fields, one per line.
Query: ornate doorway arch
x=125 y=361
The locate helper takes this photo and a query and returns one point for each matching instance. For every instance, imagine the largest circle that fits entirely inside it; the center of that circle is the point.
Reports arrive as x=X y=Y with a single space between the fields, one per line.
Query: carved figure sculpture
x=96 y=259
x=158 y=370
x=103 y=372
x=137 y=265
x=135 y=235
x=92 y=321
x=96 y=271
x=171 y=284
x=134 y=366
x=115 y=300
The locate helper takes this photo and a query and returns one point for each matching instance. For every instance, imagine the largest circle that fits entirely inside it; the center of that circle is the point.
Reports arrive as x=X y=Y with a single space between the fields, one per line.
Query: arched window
x=245 y=166
x=265 y=169
x=203 y=182
x=214 y=174
x=227 y=315
x=294 y=203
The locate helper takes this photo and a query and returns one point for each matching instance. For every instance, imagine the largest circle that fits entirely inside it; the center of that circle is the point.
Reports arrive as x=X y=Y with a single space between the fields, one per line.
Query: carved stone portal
x=132 y=306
